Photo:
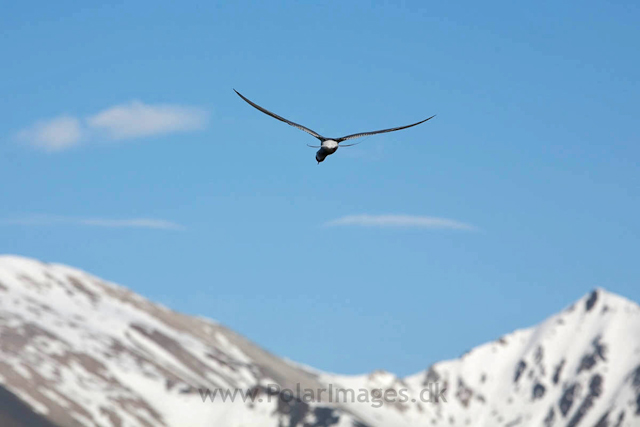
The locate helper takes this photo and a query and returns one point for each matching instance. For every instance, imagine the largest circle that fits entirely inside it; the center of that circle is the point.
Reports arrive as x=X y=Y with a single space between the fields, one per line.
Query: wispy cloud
x=134 y=223
x=48 y=220
x=55 y=134
x=121 y=122
x=136 y=119
x=408 y=221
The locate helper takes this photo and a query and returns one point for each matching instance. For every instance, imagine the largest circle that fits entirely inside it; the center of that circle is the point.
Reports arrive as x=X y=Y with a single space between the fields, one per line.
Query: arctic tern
x=327 y=146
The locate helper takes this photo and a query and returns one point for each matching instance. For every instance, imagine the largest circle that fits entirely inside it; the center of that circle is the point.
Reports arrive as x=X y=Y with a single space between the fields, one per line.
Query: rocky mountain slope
x=580 y=367
x=15 y=413
x=80 y=351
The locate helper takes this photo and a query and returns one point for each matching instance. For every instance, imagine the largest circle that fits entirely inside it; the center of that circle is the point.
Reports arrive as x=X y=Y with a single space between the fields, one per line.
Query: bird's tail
x=350 y=145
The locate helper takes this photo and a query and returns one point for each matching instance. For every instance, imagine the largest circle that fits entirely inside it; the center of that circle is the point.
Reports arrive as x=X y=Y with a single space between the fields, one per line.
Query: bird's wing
x=282 y=119
x=375 y=132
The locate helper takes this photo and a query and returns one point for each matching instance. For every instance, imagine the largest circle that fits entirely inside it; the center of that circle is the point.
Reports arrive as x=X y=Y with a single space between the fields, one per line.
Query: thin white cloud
x=48 y=220
x=135 y=223
x=55 y=134
x=137 y=119
x=121 y=122
x=407 y=221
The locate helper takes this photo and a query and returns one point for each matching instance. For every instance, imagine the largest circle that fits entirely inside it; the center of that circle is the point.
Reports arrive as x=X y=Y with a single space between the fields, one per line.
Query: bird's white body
x=330 y=144
x=328 y=147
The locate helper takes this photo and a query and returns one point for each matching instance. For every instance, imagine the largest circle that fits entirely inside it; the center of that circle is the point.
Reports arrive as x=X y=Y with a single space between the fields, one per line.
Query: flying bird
x=327 y=146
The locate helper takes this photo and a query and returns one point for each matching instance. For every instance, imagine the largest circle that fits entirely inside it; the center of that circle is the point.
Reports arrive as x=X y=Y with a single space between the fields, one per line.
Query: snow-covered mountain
x=80 y=351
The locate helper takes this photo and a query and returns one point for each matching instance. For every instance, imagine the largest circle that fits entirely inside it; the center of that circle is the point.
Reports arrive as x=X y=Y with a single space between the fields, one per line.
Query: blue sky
x=125 y=152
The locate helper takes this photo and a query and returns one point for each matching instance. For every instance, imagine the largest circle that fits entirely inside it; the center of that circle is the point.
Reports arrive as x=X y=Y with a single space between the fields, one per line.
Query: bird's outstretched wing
x=282 y=119
x=358 y=135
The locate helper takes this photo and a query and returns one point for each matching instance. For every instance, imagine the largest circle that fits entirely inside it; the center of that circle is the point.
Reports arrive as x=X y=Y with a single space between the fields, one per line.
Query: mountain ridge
x=79 y=350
